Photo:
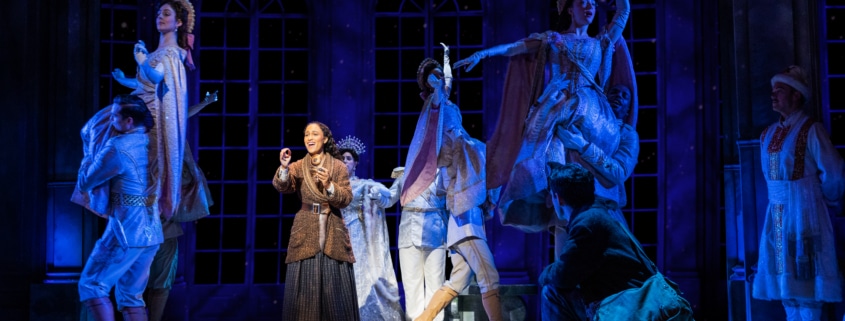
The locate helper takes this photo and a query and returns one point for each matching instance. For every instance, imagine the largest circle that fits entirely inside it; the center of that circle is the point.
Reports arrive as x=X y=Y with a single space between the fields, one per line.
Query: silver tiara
x=353 y=143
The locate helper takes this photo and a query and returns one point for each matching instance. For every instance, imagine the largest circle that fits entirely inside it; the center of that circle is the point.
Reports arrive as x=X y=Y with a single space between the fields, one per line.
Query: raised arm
x=620 y=18
x=527 y=45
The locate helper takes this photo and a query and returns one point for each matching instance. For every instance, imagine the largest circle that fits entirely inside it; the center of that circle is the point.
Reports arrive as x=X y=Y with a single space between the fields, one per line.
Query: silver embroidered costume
x=133 y=232
x=375 y=279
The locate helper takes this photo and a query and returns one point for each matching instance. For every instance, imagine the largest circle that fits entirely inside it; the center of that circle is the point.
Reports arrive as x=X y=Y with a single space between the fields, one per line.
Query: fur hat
x=426 y=66
x=793 y=76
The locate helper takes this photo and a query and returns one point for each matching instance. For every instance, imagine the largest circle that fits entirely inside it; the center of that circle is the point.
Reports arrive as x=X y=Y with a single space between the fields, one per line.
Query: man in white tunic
x=804 y=175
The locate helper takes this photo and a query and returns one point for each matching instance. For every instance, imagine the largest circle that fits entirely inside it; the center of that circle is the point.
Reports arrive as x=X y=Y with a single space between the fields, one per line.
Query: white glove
x=140 y=52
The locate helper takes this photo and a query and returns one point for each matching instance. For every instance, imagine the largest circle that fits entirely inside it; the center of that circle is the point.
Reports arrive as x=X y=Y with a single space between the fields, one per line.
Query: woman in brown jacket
x=320 y=281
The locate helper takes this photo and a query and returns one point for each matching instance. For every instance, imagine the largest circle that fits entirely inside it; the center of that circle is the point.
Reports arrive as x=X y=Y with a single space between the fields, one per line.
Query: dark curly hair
x=574 y=183
x=329 y=147
x=133 y=106
x=350 y=151
x=564 y=19
x=182 y=16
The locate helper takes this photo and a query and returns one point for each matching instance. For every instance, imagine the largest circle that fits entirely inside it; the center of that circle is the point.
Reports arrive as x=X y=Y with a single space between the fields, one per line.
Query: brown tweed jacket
x=304 y=234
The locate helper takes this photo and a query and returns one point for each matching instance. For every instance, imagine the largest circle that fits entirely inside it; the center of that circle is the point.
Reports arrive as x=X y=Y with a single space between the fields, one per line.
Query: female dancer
x=581 y=67
x=320 y=281
x=375 y=280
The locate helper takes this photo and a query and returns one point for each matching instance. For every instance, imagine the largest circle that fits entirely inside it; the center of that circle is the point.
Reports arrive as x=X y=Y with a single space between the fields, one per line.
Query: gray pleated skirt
x=320 y=288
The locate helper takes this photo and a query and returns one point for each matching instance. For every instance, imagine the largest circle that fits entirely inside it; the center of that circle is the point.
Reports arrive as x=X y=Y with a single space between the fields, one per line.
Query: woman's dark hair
x=133 y=106
x=329 y=147
x=564 y=19
x=350 y=151
x=181 y=15
x=574 y=183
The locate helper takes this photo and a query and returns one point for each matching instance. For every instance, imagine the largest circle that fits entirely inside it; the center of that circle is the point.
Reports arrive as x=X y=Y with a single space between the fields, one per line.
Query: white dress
x=375 y=279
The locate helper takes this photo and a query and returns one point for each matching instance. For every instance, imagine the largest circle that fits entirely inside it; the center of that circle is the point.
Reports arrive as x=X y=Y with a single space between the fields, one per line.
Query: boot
x=439 y=301
x=134 y=314
x=156 y=300
x=100 y=309
x=492 y=305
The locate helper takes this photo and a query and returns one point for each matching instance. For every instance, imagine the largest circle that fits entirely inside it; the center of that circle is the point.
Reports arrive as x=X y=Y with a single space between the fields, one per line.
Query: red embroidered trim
x=801 y=150
x=776 y=145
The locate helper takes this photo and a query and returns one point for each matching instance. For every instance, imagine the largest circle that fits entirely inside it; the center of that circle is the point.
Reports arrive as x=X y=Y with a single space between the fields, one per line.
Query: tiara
x=352 y=143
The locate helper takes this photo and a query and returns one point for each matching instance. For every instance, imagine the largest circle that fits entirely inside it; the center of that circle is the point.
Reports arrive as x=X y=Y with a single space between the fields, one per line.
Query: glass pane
x=210 y=161
x=235 y=199
x=213 y=59
x=835 y=20
x=296 y=33
x=212 y=26
x=267 y=267
x=236 y=98
x=267 y=233
x=237 y=33
x=295 y=99
x=413 y=32
x=125 y=26
x=647 y=163
x=236 y=166
x=296 y=65
x=474 y=125
x=647 y=123
x=269 y=131
x=208 y=234
x=472 y=31
x=469 y=95
x=386 y=97
x=237 y=65
x=836 y=58
x=409 y=125
x=837 y=128
x=647 y=90
x=387 y=64
x=445 y=31
x=837 y=97
x=385 y=159
x=644 y=56
x=237 y=131
x=643 y=21
x=387 y=31
x=233 y=268
x=386 y=130
x=411 y=100
x=269 y=98
x=645 y=193
x=210 y=263
x=267 y=199
x=411 y=60
x=211 y=133
x=645 y=227
x=234 y=233
x=271 y=65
